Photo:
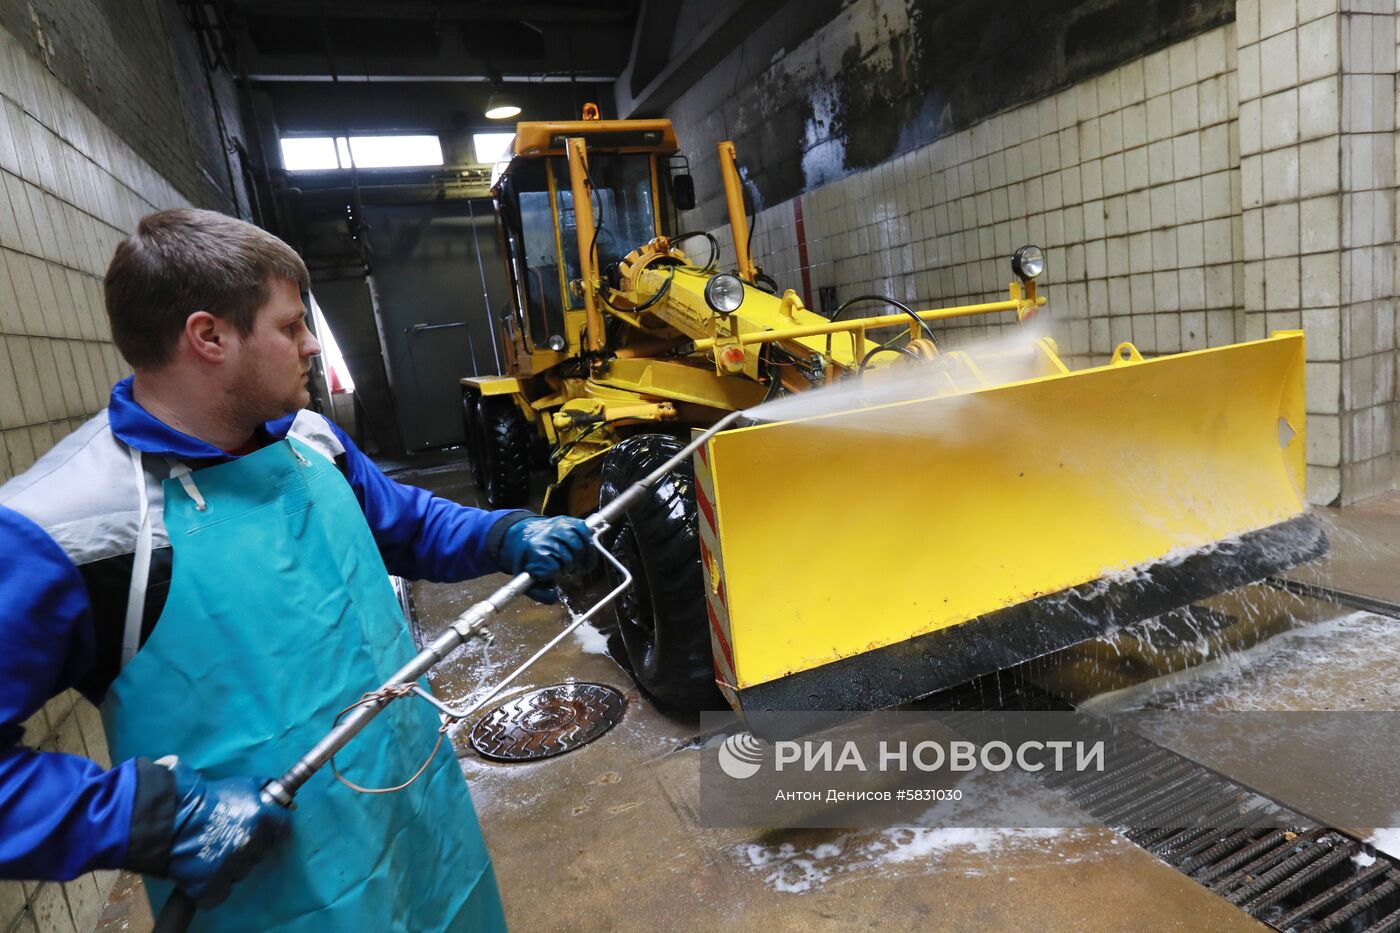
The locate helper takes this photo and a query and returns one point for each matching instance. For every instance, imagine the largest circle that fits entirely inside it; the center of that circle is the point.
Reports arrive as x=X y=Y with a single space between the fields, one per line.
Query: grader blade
x=864 y=558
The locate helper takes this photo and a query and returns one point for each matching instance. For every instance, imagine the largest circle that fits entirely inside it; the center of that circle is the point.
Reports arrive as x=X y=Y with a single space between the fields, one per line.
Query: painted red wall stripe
x=807 y=297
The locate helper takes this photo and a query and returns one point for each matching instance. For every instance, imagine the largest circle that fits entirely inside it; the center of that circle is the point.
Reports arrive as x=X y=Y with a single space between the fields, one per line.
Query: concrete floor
x=609 y=837
x=1365 y=549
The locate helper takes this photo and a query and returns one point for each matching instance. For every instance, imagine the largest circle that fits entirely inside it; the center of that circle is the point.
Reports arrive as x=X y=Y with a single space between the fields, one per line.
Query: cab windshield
x=542 y=237
x=623 y=215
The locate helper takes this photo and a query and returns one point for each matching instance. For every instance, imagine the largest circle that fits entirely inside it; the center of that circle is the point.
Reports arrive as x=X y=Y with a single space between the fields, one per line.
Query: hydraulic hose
x=924 y=325
x=714 y=246
x=650 y=302
x=882 y=348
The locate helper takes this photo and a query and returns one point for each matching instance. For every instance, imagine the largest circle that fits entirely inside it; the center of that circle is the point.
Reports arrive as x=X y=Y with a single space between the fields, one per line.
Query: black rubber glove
x=545 y=548
x=222 y=828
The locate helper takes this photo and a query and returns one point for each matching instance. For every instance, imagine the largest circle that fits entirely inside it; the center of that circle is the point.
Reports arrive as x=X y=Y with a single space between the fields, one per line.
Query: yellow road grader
x=891 y=517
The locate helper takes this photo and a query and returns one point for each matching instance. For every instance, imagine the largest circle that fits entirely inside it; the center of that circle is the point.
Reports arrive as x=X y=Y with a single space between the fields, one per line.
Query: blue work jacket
x=60 y=814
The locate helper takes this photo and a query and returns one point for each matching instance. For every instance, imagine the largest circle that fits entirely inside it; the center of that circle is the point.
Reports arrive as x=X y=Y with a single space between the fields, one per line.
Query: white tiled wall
x=1317 y=115
x=1239 y=182
x=1367 y=270
x=69 y=189
x=1395 y=220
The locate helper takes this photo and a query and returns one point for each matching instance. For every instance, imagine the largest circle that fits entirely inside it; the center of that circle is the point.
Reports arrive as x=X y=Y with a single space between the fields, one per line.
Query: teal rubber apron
x=280 y=614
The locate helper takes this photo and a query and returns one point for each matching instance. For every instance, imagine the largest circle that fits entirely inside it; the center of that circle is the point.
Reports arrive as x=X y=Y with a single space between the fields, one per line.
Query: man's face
x=275 y=359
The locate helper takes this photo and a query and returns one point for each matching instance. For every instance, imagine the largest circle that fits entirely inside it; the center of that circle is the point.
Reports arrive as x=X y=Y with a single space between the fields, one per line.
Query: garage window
x=323 y=153
x=491 y=147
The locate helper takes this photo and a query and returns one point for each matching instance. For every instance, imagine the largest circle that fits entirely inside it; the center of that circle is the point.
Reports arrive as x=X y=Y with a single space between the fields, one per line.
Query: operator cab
x=635 y=175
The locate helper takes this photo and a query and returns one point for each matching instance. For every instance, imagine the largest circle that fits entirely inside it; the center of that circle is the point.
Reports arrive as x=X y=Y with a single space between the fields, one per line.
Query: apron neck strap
x=140 y=564
x=181 y=472
x=141 y=559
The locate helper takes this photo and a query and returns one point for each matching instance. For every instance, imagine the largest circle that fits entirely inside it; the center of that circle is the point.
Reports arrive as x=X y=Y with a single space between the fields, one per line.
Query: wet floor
x=609 y=837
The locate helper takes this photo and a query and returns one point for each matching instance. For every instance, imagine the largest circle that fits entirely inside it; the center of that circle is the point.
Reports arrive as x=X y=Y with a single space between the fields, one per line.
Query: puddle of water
x=1341 y=663
x=590 y=640
x=1387 y=840
x=791 y=869
x=795 y=861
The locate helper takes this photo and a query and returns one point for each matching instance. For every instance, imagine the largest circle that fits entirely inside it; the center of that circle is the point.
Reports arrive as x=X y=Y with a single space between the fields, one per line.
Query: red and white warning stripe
x=713 y=562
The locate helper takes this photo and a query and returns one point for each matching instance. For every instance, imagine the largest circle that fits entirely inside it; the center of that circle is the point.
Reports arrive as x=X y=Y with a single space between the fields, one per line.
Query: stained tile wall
x=69 y=189
x=1130 y=182
x=1233 y=184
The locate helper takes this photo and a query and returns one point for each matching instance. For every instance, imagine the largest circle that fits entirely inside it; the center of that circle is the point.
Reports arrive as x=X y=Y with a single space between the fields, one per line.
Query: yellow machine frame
x=625 y=389
x=1048 y=504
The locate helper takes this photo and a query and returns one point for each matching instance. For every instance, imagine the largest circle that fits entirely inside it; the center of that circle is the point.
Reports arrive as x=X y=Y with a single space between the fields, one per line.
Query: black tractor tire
x=662 y=618
x=505 y=454
x=475 y=437
x=540 y=452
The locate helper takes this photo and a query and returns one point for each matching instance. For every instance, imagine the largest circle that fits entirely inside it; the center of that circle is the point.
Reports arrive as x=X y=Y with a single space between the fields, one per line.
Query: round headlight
x=1028 y=262
x=557 y=343
x=724 y=293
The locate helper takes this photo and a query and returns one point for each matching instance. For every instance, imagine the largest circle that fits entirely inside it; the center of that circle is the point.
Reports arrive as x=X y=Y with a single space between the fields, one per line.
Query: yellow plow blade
x=860 y=559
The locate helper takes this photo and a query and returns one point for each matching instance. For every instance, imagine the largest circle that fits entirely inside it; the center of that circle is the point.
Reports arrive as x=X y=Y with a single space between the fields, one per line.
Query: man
x=206 y=560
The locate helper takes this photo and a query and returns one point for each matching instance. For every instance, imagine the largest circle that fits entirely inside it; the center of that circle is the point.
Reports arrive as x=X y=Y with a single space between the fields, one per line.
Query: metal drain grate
x=547 y=722
x=1274 y=863
x=1281 y=868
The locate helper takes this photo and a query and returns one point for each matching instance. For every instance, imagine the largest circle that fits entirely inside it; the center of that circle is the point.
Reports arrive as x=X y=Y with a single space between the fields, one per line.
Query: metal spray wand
x=178 y=911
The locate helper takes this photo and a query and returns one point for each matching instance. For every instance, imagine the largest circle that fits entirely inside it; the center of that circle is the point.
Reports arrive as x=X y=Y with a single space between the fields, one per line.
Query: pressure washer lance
x=179 y=910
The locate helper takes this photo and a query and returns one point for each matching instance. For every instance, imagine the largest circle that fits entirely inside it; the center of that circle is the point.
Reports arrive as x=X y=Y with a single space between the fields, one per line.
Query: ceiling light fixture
x=501 y=106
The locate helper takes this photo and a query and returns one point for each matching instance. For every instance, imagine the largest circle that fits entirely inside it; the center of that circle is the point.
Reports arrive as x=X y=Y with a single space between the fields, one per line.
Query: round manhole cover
x=547 y=722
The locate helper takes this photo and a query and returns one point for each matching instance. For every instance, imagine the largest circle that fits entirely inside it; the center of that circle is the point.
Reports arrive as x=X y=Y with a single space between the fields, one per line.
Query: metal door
x=439 y=279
